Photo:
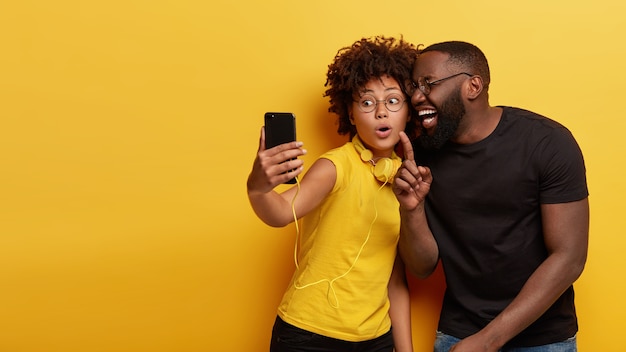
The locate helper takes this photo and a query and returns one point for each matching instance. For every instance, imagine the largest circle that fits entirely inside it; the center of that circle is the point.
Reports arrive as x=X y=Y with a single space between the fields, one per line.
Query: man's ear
x=475 y=87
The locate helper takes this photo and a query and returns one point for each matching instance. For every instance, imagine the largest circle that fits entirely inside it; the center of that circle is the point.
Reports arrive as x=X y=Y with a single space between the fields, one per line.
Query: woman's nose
x=381 y=110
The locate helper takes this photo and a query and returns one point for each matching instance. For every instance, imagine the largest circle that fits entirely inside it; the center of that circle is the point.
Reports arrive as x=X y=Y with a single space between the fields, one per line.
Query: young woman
x=349 y=286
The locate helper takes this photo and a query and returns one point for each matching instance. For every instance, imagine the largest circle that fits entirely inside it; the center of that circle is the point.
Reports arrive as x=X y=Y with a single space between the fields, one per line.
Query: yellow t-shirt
x=340 y=290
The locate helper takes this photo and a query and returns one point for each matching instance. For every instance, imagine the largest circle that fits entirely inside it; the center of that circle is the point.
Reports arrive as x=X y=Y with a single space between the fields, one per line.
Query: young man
x=500 y=196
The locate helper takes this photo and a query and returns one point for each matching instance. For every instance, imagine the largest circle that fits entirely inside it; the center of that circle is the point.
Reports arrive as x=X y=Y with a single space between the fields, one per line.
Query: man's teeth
x=426 y=112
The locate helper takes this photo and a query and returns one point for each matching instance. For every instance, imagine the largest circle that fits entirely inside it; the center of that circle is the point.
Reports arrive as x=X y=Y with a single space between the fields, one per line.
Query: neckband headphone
x=383 y=169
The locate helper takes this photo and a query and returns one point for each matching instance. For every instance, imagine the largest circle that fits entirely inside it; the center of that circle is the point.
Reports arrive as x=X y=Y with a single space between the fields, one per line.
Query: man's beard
x=448 y=119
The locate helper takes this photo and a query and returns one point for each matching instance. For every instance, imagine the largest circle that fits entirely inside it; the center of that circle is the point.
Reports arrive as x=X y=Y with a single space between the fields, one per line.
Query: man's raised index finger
x=407 y=147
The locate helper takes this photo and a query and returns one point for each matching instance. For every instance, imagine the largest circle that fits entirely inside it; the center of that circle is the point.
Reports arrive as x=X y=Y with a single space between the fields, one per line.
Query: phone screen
x=280 y=128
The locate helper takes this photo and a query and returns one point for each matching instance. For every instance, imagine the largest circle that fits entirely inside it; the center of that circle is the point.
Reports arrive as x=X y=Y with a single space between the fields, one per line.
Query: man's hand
x=412 y=182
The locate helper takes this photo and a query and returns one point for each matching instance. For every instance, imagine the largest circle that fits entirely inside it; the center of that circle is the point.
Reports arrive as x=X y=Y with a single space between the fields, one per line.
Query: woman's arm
x=273 y=208
x=400 y=308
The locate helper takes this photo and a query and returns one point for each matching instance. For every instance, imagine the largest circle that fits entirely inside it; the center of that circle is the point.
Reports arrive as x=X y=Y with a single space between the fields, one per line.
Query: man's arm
x=566 y=234
x=417 y=246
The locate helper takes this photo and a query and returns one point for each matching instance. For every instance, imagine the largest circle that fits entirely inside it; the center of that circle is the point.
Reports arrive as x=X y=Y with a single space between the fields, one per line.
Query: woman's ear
x=475 y=87
x=350 y=116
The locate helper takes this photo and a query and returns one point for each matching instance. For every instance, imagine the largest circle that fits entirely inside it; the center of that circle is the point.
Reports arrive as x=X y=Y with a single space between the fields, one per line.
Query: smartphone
x=280 y=128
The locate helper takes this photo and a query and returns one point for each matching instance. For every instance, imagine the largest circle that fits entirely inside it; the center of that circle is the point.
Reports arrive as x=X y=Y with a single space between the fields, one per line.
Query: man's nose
x=417 y=97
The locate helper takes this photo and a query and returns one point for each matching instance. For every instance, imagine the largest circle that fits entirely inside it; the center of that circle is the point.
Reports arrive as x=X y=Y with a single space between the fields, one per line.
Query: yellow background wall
x=127 y=130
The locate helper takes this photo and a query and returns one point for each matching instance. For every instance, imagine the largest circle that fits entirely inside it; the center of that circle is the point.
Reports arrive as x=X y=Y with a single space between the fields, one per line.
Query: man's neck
x=478 y=125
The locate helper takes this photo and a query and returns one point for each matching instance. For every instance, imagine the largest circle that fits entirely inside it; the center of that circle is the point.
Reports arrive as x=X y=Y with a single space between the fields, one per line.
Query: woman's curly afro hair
x=357 y=64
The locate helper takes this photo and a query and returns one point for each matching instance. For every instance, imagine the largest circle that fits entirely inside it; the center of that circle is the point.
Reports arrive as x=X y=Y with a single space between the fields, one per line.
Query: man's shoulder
x=522 y=116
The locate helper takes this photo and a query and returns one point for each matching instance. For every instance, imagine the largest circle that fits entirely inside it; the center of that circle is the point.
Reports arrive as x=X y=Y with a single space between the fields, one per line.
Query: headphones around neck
x=383 y=169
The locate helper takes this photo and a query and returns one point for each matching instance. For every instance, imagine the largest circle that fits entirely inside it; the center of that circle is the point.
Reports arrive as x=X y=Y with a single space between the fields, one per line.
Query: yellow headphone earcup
x=386 y=168
x=366 y=155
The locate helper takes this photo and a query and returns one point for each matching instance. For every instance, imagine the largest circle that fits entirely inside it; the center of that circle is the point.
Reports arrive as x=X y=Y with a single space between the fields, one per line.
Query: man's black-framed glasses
x=425 y=86
x=393 y=102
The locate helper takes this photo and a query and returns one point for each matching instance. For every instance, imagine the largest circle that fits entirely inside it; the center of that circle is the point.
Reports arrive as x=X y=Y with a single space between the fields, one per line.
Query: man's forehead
x=430 y=62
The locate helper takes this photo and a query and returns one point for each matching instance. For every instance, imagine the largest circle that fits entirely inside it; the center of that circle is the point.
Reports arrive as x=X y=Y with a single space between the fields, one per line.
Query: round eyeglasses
x=425 y=86
x=393 y=102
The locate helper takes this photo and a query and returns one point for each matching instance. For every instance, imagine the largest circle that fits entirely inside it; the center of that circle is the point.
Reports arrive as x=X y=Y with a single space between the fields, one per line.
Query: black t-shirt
x=484 y=211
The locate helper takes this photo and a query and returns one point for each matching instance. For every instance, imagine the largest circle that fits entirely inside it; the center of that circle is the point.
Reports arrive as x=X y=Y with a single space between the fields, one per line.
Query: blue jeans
x=288 y=338
x=443 y=343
